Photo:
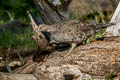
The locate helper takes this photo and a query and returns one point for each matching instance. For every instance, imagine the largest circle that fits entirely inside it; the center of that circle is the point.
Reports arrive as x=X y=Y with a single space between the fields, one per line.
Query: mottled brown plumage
x=70 y=31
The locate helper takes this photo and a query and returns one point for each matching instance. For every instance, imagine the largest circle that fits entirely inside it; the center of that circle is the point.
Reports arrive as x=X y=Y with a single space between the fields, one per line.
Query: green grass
x=17 y=41
x=98 y=17
x=97 y=35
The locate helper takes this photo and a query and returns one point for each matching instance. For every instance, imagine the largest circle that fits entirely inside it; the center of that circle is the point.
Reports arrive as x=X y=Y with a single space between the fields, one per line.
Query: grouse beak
x=42 y=28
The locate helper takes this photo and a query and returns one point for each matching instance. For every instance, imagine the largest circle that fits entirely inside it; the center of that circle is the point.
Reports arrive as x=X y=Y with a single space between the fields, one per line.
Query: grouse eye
x=40 y=28
x=48 y=30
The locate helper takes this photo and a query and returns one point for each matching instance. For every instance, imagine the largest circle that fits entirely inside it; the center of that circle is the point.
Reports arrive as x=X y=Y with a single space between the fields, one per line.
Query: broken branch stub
x=35 y=27
x=33 y=23
x=48 y=12
x=39 y=37
x=114 y=30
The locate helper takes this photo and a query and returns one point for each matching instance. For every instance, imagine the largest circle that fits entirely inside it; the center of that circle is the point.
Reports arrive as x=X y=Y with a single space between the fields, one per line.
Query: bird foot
x=71 y=49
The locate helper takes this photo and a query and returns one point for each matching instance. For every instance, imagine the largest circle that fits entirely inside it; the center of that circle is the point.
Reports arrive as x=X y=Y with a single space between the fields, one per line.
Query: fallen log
x=7 y=76
x=97 y=60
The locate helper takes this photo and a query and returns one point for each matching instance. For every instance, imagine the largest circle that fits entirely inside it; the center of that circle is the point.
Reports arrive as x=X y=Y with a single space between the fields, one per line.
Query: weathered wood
x=115 y=29
x=48 y=12
x=7 y=76
x=96 y=60
x=38 y=36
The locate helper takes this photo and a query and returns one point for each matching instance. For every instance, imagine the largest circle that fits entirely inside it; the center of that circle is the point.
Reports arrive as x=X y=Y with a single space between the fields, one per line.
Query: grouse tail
x=102 y=26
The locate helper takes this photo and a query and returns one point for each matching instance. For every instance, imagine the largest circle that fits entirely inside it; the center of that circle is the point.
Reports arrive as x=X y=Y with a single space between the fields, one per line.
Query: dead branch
x=114 y=30
x=7 y=76
x=48 y=12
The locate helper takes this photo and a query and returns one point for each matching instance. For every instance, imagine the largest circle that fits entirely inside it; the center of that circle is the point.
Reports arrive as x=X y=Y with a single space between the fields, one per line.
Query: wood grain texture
x=96 y=60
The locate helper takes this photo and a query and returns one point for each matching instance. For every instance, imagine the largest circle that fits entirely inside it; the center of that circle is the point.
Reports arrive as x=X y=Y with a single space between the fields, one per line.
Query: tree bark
x=48 y=12
x=96 y=60
x=7 y=76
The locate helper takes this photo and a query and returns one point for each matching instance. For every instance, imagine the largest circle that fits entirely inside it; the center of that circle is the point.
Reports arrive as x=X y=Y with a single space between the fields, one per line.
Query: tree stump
x=48 y=12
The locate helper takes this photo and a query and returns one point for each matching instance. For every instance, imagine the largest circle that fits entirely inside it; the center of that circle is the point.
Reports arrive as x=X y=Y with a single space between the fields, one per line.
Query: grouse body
x=71 y=31
x=68 y=31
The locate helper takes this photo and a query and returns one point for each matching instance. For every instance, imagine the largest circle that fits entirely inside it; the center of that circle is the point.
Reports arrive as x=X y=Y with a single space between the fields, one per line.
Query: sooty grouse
x=71 y=31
